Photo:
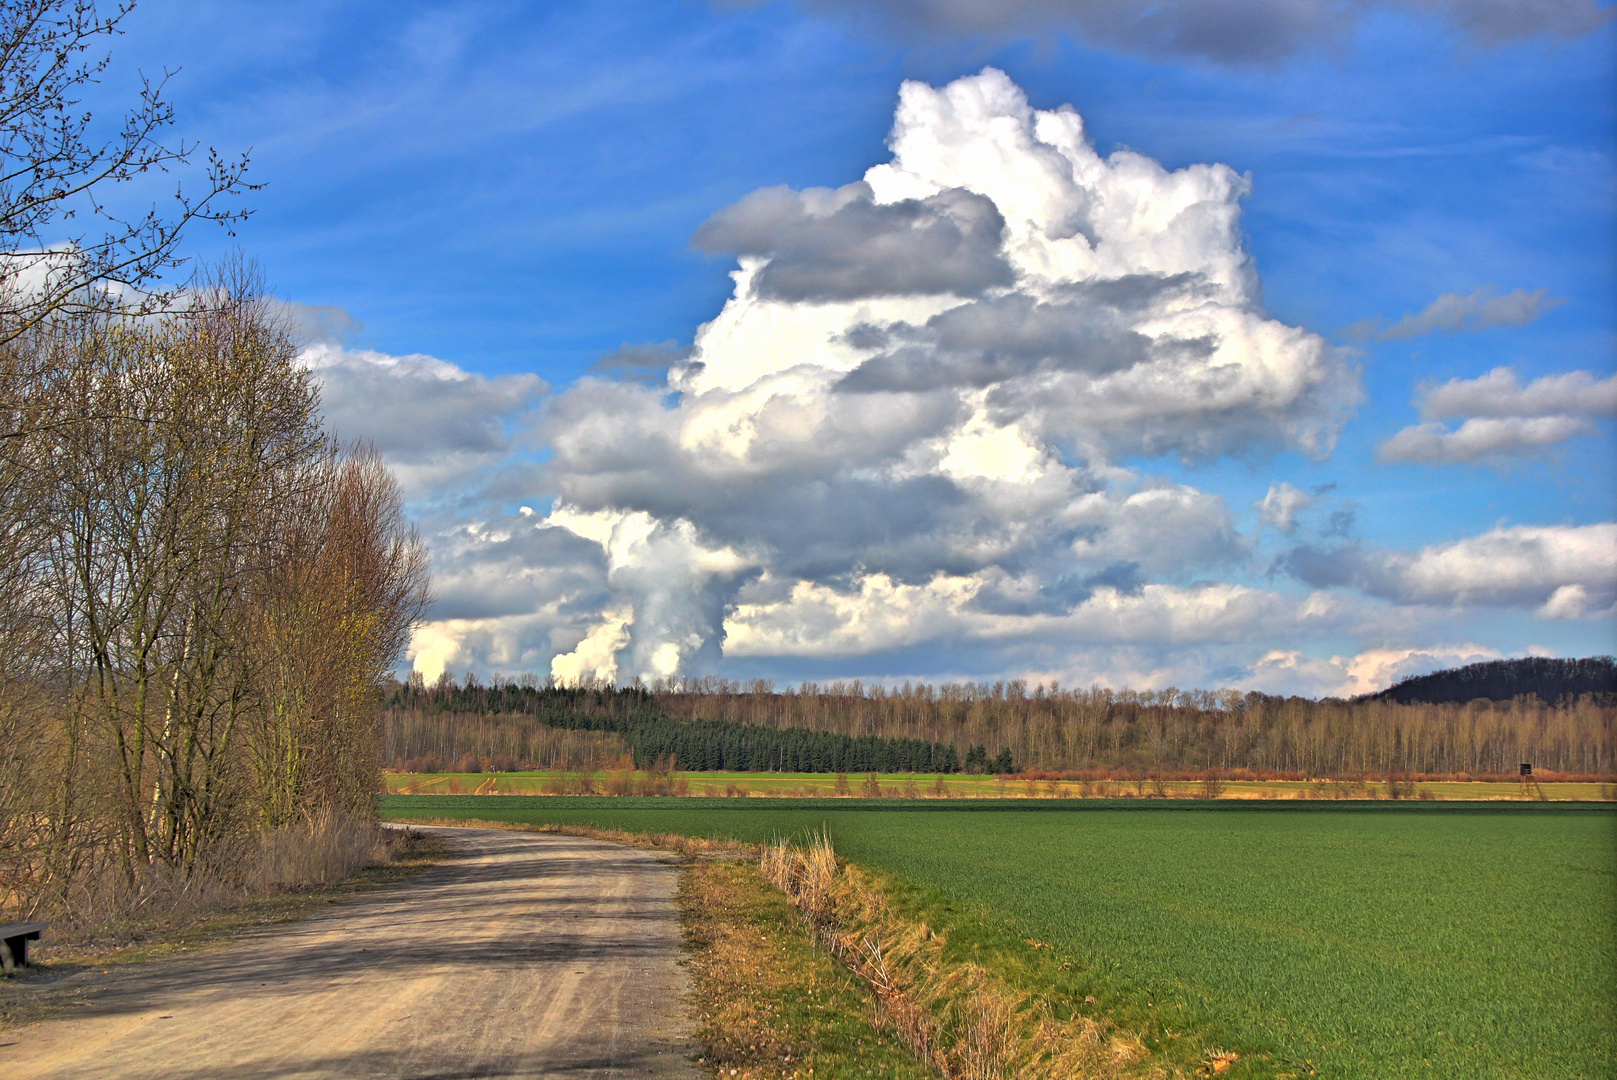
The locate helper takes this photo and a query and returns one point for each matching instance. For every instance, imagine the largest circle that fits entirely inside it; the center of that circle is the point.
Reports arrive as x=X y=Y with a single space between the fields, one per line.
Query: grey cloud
x=814 y=506
x=826 y=506
x=1233 y=32
x=1165 y=530
x=317 y=324
x=644 y=363
x=417 y=409
x=1281 y=505
x=1480 y=310
x=616 y=444
x=1058 y=596
x=989 y=341
x=1371 y=570
x=1499 y=22
x=827 y=245
x=1197 y=410
x=510 y=567
x=1339 y=524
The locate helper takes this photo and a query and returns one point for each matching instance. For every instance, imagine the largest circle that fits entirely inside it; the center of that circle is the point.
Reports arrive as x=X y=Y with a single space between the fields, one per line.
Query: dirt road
x=523 y=955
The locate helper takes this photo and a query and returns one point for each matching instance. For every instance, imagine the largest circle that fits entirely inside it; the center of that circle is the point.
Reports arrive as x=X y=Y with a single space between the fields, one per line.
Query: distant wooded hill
x=1548 y=678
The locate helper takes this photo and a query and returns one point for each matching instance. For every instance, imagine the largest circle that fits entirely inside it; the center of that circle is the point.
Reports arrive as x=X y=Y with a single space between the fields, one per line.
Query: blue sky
x=512 y=190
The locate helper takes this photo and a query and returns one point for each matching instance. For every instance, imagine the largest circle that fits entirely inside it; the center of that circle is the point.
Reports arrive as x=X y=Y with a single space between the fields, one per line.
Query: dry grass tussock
x=317 y=852
x=958 y=1017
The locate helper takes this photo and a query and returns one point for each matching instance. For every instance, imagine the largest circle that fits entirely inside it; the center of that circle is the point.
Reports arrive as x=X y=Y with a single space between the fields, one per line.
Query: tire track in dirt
x=522 y=955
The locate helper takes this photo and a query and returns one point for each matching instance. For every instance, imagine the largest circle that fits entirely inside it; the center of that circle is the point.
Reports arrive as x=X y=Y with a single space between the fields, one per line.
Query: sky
x=1266 y=345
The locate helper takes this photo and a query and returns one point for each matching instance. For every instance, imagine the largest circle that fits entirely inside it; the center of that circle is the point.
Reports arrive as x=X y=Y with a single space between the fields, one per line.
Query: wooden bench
x=14 y=938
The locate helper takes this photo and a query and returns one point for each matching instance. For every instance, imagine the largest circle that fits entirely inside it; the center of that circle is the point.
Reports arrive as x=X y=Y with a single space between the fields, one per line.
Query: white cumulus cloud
x=923 y=425
x=1562 y=571
x=1287 y=671
x=1503 y=417
x=906 y=422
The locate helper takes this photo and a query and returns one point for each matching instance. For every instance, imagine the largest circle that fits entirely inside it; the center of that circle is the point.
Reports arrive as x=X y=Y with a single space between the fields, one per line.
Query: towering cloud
x=909 y=420
x=924 y=425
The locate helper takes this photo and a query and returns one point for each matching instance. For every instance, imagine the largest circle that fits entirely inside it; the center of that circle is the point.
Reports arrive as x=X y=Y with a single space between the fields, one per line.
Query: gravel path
x=522 y=955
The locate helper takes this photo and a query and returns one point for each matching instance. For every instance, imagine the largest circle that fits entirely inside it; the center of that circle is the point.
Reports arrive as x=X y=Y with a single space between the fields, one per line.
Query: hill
x=1547 y=678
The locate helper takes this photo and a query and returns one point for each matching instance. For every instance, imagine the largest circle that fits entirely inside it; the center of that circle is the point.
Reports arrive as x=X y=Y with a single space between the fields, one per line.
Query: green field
x=1368 y=941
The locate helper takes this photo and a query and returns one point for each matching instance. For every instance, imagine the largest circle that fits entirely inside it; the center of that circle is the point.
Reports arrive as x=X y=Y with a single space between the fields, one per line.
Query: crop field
x=1350 y=940
x=821 y=785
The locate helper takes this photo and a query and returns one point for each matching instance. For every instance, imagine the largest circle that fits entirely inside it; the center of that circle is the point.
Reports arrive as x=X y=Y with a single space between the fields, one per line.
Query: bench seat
x=14 y=939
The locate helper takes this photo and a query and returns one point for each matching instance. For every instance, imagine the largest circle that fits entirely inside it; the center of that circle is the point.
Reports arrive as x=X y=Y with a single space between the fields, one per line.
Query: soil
x=520 y=955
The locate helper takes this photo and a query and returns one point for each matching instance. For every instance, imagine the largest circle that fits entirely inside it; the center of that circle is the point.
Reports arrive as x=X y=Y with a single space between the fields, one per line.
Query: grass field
x=1352 y=940
x=821 y=785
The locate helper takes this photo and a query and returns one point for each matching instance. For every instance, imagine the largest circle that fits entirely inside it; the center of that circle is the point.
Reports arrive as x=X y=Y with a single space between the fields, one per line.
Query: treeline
x=1546 y=678
x=1119 y=732
x=449 y=723
x=428 y=742
x=200 y=597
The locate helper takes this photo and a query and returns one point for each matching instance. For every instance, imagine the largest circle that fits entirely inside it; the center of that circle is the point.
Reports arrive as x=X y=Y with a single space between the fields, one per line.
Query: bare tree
x=348 y=583
x=199 y=594
x=205 y=599
x=62 y=243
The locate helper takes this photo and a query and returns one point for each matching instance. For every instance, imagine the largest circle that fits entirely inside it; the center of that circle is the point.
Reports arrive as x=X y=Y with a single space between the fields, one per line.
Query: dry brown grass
x=313 y=855
x=768 y=1003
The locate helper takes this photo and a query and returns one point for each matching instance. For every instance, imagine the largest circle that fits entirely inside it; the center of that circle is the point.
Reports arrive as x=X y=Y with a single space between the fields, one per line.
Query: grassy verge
x=33 y=994
x=769 y=1002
